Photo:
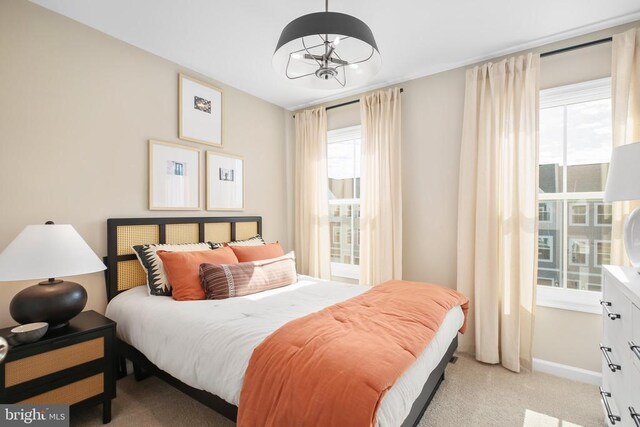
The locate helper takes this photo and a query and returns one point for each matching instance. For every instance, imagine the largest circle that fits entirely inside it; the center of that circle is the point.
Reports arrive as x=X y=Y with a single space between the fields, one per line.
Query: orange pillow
x=257 y=253
x=183 y=270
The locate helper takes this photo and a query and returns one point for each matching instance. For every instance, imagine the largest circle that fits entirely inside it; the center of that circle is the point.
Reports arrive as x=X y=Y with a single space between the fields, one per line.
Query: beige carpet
x=473 y=394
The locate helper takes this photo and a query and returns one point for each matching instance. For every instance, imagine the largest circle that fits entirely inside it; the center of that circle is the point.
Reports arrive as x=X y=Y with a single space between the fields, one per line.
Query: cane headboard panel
x=123 y=269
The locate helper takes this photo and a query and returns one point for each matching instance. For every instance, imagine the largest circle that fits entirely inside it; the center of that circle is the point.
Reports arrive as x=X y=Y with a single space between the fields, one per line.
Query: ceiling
x=233 y=41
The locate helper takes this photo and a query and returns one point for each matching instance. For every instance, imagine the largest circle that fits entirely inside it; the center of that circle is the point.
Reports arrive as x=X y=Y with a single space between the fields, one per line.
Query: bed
x=203 y=347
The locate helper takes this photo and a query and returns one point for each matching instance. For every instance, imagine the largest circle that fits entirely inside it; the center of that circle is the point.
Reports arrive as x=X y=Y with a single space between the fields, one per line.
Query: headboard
x=123 y=269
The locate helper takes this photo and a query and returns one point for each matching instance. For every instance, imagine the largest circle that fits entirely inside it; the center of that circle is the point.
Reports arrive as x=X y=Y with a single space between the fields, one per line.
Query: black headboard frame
x=112 y=259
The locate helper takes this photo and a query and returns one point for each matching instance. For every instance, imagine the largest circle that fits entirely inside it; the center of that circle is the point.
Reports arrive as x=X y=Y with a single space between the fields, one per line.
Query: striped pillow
x=252 y=241
x=221 y=281
x=157 y=280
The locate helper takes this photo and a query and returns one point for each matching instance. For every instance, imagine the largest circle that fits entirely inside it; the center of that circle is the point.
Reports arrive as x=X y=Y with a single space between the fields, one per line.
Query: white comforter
x=208 y=344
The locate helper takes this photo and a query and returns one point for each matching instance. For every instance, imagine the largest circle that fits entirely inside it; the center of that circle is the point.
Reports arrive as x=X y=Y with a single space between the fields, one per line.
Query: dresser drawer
x=634 y=355
x=39 y=365
x=614 y=366
x=70 y=393
x=610 y=398
x=616 y=316
x=633 y=402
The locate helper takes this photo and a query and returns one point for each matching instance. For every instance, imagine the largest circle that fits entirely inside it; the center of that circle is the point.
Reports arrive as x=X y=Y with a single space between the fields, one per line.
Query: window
x=545 y=248
x=602 y=253
x=603 y=214
x=579 y=214
x=574 y=224
x=544 y=212
x=343 y=160
x=336 y=235
x=543 y=281
x=579 y=252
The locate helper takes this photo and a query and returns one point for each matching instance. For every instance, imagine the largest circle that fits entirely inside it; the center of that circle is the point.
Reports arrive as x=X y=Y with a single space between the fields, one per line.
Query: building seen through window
x=574 y=231
x=343 y=159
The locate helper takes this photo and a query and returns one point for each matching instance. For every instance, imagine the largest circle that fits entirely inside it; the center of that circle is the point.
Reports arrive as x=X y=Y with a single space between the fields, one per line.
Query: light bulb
x=296 y=56
x=354 y=66
x=336 y=41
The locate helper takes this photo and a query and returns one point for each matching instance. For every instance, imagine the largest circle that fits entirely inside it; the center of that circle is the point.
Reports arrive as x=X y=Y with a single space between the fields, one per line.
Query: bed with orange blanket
x=312 y=353
x=333 y=367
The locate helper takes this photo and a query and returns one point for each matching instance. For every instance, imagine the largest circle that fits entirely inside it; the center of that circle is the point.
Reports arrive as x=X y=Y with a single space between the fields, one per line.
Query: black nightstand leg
x=106 y=411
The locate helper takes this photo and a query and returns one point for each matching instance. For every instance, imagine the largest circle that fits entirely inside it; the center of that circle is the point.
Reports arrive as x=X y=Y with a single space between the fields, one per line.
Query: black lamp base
x=52 y=301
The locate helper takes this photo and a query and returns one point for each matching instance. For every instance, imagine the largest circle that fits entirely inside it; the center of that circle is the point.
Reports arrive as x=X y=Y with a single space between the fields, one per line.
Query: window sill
x=569 y=299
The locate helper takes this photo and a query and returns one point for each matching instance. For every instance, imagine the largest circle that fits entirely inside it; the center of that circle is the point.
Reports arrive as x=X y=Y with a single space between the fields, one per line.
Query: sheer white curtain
x=497 y=208
x=311 y=206
x=625 y=100
x=381 y=188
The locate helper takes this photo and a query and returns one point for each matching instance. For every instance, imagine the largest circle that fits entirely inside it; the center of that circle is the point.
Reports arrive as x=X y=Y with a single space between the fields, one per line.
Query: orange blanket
x=332 y=367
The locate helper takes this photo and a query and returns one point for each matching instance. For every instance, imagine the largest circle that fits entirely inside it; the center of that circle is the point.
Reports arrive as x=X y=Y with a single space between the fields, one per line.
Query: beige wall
x=76 y=110
x=432 y=110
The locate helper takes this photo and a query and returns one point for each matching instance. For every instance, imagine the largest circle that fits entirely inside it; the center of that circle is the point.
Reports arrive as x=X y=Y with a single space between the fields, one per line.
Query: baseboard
x=566 y=371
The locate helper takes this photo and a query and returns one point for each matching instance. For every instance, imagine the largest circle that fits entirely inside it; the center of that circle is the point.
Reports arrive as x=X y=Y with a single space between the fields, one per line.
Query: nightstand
x=73 y=365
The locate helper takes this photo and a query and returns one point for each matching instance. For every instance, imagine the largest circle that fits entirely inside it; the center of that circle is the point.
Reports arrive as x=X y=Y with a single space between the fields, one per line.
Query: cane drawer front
x=50 y=362
x=70 y=393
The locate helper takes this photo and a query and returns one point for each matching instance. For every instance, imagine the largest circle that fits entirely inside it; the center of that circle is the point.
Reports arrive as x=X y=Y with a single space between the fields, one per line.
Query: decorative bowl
x=30 y=332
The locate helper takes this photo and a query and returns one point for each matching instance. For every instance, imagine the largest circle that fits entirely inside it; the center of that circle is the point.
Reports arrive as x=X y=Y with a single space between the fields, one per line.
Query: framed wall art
x=174 y=177
x=225 y=182
x=200 y=111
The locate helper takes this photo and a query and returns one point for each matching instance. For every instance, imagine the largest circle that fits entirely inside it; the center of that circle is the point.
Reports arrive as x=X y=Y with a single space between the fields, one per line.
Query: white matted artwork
x=225 y=182
x=174 y=177
x=200 y=111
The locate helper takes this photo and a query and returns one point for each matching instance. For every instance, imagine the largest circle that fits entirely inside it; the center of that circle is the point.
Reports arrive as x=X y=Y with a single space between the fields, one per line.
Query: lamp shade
x=623 y=182
x=327 y=50
x=46 y=251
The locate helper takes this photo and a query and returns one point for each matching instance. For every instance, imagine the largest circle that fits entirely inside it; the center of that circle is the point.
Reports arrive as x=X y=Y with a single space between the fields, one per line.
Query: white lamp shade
x=623 y=182
x=47 y=251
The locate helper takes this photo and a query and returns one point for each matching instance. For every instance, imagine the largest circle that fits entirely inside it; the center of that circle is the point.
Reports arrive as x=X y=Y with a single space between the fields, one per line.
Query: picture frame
x=174 y=176
x=199 y=111
x=225 y=182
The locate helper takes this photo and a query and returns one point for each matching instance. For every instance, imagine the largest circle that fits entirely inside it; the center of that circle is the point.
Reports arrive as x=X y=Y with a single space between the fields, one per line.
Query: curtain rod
x=344 y=104
x=578 y=46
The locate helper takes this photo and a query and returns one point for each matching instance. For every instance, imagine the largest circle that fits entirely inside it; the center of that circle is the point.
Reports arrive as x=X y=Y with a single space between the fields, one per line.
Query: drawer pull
x=610 y=315
x=605 y=352
x=635 y=349
x=613 y=418
x=634 y=416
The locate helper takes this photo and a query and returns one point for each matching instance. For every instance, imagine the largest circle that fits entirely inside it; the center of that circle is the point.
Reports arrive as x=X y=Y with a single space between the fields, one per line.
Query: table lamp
x=48 y=251
x=623 y=183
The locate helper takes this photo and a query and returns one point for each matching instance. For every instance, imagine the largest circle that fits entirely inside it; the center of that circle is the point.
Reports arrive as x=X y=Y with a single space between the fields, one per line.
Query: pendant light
x=327 y=50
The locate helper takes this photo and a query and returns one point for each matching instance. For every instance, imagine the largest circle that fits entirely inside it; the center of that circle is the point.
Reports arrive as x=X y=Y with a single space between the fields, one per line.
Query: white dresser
x=620 y=347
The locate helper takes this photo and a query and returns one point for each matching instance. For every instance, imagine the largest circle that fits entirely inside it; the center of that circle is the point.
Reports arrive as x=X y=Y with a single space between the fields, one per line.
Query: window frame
x=561 y=297
x=572 y=205
x=551 y=285
x=586 y=254
x=548 y=211
x=596 y=252
x=550 y=247
x=577 y=282
x=596 y=214
x=339 y=269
